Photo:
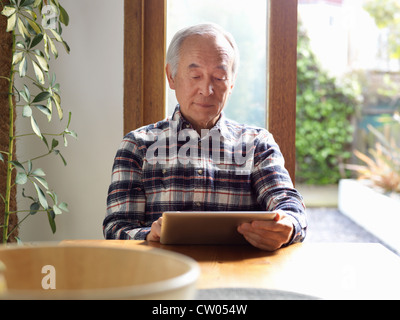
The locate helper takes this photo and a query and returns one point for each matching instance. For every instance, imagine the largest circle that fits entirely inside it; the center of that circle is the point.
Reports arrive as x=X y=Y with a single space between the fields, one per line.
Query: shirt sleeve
x=274 y=187
x=126 y=201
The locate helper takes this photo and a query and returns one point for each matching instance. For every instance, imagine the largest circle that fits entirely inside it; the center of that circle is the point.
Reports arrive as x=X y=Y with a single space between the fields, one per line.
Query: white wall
x=91 y=80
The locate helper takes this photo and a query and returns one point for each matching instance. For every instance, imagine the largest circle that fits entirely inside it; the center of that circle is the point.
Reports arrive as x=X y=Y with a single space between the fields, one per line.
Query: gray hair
x=173 y=53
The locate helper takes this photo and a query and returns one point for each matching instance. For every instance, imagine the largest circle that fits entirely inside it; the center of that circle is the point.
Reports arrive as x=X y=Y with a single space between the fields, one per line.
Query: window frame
x=144 y=69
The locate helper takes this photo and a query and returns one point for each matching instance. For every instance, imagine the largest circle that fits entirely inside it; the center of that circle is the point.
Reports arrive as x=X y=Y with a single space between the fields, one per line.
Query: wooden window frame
x=144 y=62
x=144 y=69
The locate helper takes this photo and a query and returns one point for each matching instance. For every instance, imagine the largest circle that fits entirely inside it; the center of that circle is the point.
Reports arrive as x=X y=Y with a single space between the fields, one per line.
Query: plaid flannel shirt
x=168 y=166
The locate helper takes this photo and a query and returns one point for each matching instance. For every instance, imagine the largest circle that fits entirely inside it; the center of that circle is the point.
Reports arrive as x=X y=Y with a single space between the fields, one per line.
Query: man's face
x=204 y=79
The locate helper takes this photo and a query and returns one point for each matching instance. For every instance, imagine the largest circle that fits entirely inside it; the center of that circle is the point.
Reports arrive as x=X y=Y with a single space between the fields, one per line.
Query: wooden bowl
x=94 y=272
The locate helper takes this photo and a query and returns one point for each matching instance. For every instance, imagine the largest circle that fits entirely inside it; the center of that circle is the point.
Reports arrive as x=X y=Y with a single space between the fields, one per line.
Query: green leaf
x=61 y=156
x=27 y=112
x=12 y=20
x=34 y=26
x=17 y=57
x=20 y=45
x=57 y=100
x=43 y=182
x=46 y=45
x=56 y=35
x=43 y=109
x=53 y=196
x=53 y=47
x=42 y=62
x=64 y=18
x=45 y=142
x=27 y=92
x=71 y=133
x=24 y=96
x=38 y=172
x=34 y=208
x=51 y=216
x=8 y=11
x=32 y=13
x=17 y=165
x=50 y=108
x=57 y=210
x=36 y=40
x=38 y=72
x=21 y=178
x=54 y=144
x=1 y=158
x=23 y=66
x=35 y=127
x=42 y=196
x=53 y=81
x=26 y=3
x=63 y=206
x=22 y=29
x=42 y=96
x=66 y=46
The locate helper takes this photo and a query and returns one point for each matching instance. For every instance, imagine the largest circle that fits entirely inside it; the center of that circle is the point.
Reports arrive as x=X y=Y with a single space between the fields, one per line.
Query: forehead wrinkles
x=207 y=49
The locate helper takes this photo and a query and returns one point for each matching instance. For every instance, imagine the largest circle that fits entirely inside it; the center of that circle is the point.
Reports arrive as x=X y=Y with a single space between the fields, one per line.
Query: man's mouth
x=204 y=105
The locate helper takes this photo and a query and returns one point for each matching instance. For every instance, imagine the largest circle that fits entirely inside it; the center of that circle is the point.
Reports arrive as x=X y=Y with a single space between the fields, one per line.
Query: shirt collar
x=221 y=124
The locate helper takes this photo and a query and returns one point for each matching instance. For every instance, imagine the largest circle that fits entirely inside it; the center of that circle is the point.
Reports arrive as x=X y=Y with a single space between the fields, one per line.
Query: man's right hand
x=155 y=232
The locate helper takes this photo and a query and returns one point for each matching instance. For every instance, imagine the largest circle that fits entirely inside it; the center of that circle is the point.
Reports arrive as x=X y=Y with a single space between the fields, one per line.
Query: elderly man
x=198 y=160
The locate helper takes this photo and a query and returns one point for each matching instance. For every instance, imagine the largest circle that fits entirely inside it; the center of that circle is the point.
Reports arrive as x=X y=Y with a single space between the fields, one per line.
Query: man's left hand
x=268 y=235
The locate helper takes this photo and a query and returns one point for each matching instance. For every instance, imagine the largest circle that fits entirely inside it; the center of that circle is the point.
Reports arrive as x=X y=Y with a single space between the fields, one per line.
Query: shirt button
x=164 y=171
x=198 y=204
x=200 y=172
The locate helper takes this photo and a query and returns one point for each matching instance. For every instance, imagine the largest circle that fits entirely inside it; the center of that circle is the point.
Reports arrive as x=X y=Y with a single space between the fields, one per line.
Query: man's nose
x=206 y=87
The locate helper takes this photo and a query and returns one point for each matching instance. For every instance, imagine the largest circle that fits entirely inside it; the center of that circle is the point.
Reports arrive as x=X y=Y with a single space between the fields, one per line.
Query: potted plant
x=35 y=28
x=374 y=200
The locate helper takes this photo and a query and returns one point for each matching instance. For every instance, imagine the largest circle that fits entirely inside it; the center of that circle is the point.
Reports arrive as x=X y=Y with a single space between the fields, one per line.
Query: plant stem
x=10 y=148
x=19 y=224
x=39 y=157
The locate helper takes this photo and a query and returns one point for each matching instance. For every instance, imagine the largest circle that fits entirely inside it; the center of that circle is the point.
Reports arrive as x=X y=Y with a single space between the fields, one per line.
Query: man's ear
x=232 y=86
x=170 y=79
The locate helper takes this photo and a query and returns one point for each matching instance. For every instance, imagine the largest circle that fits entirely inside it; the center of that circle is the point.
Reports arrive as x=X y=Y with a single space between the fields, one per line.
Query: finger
x=244 y=227
x=281 y=225
x=155 y=232
x=265 y=235
x=261 y=243
x=157 y=226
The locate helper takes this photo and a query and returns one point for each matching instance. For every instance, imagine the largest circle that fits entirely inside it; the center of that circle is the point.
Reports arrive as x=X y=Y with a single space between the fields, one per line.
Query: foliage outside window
x=323 y=122
x=380 y=164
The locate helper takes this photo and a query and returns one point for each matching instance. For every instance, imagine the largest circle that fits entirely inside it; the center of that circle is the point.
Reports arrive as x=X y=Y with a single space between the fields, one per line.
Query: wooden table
x=324 y=270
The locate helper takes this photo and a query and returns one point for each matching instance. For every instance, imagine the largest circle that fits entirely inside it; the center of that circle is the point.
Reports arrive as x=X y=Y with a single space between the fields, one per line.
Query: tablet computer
x=211 y=227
